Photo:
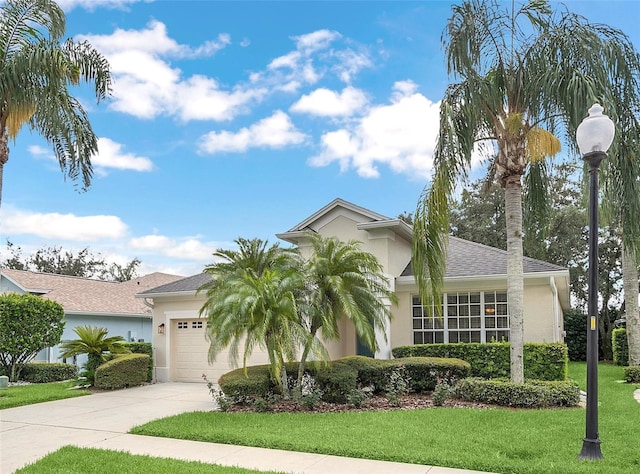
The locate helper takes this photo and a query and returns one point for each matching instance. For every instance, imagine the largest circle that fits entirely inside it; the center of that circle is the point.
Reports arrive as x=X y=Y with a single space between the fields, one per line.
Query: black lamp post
x=594 y=136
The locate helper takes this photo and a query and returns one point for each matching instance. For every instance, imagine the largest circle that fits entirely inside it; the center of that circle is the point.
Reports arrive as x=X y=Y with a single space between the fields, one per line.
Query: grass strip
x=20 y=395
x=73 y=460
x=498 y=440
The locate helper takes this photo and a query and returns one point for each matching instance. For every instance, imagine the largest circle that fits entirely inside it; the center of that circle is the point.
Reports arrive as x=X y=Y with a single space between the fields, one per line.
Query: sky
x=241 y=118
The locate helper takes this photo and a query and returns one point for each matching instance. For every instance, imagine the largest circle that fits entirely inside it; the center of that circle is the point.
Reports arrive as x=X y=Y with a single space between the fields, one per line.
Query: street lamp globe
x=595 y=133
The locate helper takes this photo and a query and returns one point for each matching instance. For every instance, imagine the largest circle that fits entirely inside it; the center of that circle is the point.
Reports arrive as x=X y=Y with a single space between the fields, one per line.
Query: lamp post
x=594 y=136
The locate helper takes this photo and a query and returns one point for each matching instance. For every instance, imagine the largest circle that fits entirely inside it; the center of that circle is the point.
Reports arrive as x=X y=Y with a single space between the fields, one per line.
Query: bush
x=143 y=348
x=237 y=384
x=336 y=382
x=43 y=372
x=533 y=394
x=632 y=374
x=620 y=346
x=128 y=370
x=575 y=327
x=542 y=361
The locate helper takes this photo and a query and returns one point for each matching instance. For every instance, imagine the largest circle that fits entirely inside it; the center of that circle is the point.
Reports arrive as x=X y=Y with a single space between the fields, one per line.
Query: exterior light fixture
x=161 y=329
x=594 y=136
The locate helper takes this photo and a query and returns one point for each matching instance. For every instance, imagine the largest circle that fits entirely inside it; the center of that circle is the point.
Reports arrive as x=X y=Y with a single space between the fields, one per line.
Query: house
x=107 y=304
x=474 y=301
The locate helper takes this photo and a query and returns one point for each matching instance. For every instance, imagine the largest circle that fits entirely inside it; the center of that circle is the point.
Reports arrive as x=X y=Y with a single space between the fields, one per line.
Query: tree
x=83 y=264
x=343 y=281
x=252 y=301
x=36 y=72
x=28 y=324
x=524 y=73
x=94 y=342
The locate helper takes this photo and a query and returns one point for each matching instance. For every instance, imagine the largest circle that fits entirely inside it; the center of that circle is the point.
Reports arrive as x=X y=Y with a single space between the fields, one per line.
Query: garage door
x=190 y=353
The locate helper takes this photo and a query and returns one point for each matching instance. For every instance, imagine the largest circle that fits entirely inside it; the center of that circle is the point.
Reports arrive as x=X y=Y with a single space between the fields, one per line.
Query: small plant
x=310 y=400
x=223 y=402
x=261 y=404
x=441 y=393
x=357 y=397
x=398 y=385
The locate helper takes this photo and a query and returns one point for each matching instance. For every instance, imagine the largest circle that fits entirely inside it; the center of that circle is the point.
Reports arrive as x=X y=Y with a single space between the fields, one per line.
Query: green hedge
x=44 y=372
x=127 y=370
x=340 y=378
x=632 y=374
x=542 y=361
x=143 y=348
x=533 y=394
x=620 y=346
x=575 y=327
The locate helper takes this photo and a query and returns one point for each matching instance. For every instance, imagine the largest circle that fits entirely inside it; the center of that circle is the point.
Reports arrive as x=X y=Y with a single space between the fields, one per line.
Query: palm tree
x=252 y=301
x=36 y=70
x=524 y=73
x=93 y=342
x=343 y=281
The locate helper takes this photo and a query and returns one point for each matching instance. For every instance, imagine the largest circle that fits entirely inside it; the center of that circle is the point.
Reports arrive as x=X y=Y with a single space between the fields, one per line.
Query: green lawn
x=19 y=395
x=498 y=440
x=72 y=460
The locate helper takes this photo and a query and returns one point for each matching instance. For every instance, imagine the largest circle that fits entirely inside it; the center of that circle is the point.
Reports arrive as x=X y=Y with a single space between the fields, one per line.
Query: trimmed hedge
x=620 y=346
x=342 y=377
x=143 y=348
x=575 y=327
x=533 y=394
x=44 y=372
x=127 y=370
x=542 y=361
x=632 y=374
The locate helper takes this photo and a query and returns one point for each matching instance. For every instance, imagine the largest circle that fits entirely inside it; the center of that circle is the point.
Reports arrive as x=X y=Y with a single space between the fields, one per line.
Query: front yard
x=20 y=395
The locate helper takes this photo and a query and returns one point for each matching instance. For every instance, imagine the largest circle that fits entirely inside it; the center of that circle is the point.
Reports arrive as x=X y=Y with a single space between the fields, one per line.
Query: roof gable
x=188 y=284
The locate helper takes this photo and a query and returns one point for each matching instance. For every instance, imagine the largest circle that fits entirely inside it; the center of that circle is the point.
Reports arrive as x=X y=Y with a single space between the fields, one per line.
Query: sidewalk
x=102 y=421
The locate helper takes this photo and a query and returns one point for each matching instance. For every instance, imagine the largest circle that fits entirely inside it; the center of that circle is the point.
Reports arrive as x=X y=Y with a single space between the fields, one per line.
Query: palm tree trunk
x=303 y=359
x=630 y=282
x=4 y=156
x=515 y=280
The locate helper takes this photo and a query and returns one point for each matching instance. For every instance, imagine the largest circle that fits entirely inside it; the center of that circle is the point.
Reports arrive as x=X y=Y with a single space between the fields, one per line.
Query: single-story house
x=112 y=305
x=474 y=301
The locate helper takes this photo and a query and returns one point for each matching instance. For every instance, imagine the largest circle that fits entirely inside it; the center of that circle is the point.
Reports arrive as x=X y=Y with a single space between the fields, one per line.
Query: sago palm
x=94 y=342
x=524 y=74
x=37 y=70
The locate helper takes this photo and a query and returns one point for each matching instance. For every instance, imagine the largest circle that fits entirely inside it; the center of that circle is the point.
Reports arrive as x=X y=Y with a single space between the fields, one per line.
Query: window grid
x=466 y=317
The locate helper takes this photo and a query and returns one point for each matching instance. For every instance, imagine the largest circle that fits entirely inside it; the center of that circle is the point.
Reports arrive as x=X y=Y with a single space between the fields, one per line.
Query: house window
x=196 y=324
x=183 y=325
x=480 y=316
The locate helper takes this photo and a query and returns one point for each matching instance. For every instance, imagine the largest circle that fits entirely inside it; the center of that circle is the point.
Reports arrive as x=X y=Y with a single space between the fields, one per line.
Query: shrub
x=336 y=382
x=427 y=372
x=240 y=384
x=534 y=394
x=632 y=374
x=543 y=361
x=442 y=392
x=127 y=370
x=575 y=327
x=143 y=348
x=43 y=372
x=620 y=346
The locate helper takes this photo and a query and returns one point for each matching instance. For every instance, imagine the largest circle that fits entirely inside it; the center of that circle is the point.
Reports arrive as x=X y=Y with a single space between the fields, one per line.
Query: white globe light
x=596 y=132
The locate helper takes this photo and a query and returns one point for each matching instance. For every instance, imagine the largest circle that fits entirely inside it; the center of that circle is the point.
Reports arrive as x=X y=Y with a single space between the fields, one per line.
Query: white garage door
x=190 y=353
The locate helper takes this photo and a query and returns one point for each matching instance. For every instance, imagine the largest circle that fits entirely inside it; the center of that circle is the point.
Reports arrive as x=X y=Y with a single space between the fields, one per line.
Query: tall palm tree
x=524 y=74
x=252 y=302
x=36 y=72
x=343 y=281
x=94 y=342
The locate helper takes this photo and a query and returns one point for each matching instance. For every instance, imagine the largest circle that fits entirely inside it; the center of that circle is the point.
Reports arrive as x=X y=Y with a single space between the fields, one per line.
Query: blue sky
x=241 y=119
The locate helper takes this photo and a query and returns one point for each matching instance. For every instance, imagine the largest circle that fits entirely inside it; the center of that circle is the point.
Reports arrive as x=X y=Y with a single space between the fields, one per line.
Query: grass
x=72 y=460
x=499 y=440
x=20 y=395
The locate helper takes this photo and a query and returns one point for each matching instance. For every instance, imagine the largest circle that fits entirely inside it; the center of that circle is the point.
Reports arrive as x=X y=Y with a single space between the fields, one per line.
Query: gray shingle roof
x=85 y=295
x=188 y=284
x=466 y=258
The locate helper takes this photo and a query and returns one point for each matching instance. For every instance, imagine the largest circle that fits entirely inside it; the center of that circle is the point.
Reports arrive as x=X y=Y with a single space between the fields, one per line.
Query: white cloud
x=276 y=131
x=327 y=103
x=189 y=248
x=61 y=226
x=312 y=42
x=110 y=155
x=68 y=5
x=350 y=63
x=401 y=135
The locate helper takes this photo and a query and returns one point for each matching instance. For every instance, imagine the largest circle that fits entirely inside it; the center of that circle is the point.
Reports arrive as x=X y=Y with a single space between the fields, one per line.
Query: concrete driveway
x=102 y=421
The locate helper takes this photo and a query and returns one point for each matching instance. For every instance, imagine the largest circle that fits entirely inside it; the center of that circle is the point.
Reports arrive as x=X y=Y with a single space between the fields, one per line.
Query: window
x=196 y=324
x=480 y=316
x=183 y=325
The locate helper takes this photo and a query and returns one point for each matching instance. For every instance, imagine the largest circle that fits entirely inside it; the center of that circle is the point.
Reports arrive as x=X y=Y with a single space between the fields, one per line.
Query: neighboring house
x=475 y=303
x=107 y=304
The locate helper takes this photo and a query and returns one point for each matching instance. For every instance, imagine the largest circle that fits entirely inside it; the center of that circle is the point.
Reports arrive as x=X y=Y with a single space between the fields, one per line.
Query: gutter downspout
x=554 y=307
